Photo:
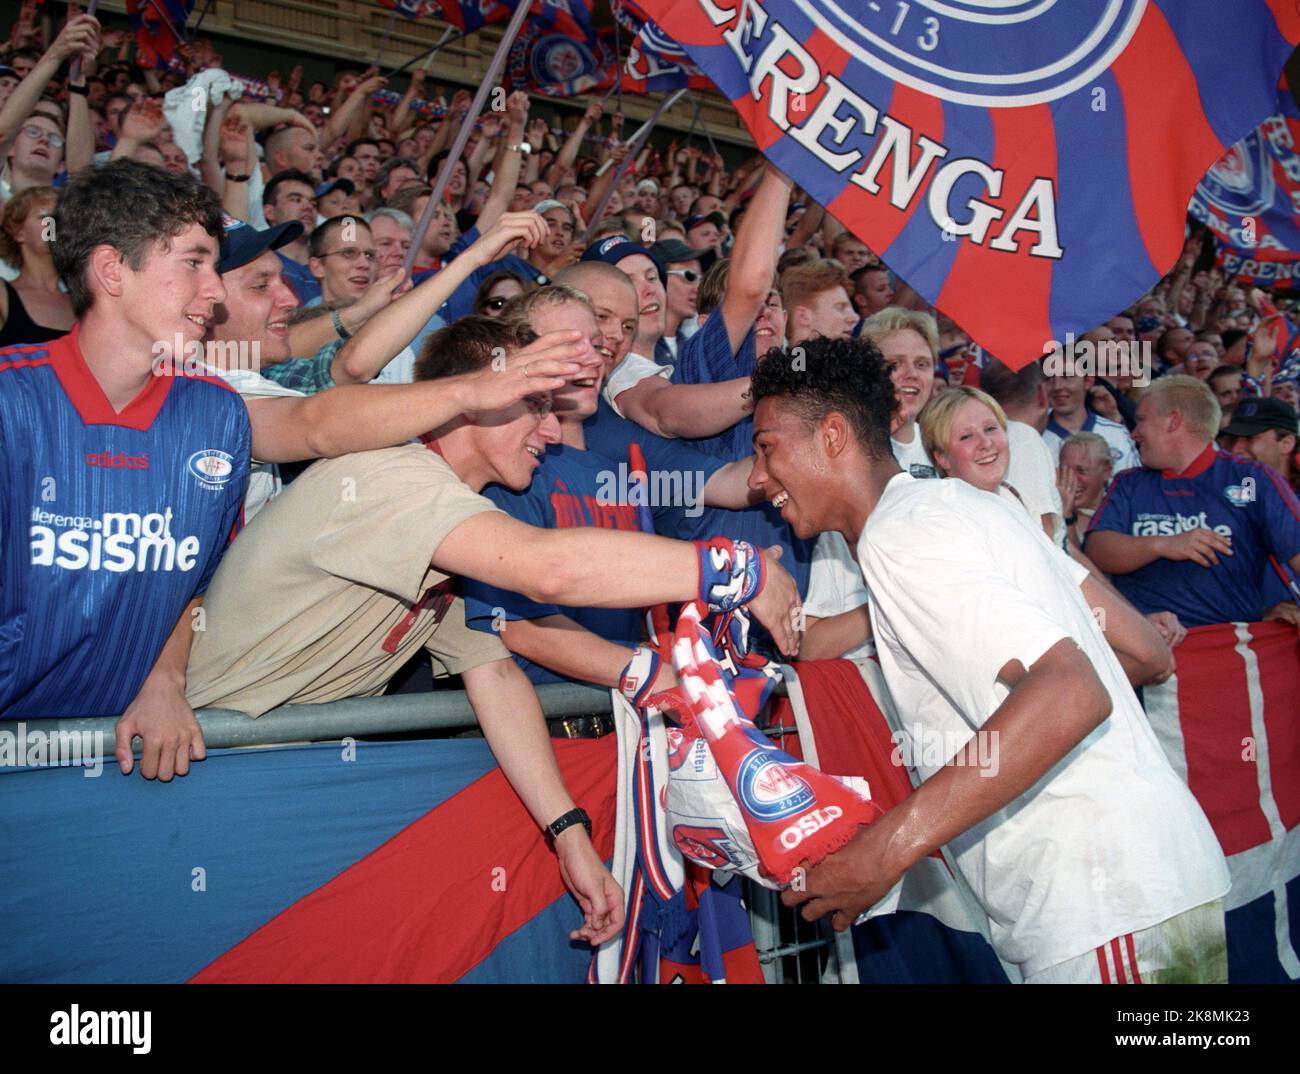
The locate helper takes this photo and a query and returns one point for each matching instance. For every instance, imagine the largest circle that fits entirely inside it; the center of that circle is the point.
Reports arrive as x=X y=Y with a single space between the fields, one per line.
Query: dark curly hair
x=130 y=207
x=467 y=345
x=822 y=375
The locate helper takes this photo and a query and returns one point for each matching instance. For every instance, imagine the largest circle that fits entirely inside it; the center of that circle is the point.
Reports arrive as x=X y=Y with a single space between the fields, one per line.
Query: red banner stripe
x=1275 y=646
x=423 y=907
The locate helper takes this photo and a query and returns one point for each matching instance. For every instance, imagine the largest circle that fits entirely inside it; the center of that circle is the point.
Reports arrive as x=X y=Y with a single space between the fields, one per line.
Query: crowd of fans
x=476 y=410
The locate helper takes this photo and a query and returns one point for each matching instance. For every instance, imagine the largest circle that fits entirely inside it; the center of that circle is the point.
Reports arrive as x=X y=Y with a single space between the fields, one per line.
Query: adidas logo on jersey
x=119 y=461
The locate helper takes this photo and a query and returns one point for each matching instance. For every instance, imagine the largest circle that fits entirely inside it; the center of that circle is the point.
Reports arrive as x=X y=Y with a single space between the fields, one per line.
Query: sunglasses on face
x=689 y=275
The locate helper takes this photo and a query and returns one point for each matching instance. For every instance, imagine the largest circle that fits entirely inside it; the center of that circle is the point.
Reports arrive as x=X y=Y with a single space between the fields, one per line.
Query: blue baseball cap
x=613 y=249
x=242 y=243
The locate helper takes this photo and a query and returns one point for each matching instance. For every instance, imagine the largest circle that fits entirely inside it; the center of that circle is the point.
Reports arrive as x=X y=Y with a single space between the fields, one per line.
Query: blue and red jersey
x=110 y=523
x=1237 y=497
x=571 y=490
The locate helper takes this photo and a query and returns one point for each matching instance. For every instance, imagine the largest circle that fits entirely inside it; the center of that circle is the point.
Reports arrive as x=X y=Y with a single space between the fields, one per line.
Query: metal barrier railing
x=790 y=950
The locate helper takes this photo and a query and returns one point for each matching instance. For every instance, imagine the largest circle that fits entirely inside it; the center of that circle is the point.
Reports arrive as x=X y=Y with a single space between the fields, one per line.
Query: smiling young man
x=575 y=487
x=352 y=570
x=1092 y=860
x=122 y=487
x=342 y=258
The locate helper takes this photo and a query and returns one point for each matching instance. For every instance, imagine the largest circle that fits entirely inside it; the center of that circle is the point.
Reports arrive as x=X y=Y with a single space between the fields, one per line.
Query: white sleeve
x=1031 y=472
x=630 y=372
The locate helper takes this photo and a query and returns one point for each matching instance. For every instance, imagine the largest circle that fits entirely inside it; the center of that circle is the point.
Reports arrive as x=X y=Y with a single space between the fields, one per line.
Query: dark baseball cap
x=613 y=249
x=8 y=72
x=715 y=218
x=242 y=243
x=671 y=251
x=1256 y=414
x=340 y=183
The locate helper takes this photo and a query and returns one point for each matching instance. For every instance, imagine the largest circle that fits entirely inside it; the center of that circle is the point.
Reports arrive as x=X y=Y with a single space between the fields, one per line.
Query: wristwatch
x=339 y=327
x=574 y=816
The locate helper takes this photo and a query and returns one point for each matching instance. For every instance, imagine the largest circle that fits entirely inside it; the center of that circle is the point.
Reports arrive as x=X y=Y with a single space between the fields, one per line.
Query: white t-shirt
x=1032 y=473
x=263 y=477
x=912 y=456
x=399 y=370
x=1110 y=841
x=630 y=372
x=835 y=586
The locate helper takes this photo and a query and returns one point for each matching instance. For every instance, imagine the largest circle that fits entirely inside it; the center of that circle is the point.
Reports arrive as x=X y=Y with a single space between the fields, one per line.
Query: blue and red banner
x=1250 y=200
x=159 y=27
x=1025 y=166
x=569 y=16
x=654 y=61
x=547 y=60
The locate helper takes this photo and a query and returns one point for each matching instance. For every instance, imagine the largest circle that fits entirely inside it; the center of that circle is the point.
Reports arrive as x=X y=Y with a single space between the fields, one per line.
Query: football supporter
x=342 y=258
x=1194 y=530
x=1086 y=470
x=576 y=488
x=682 y=295
x=1067 y=391
x=33 y=308
x=249 y=327
x=289 y=196
x=872 y=291
x=910 y=342
x=123 y=487
x=1023 y=397
x=1266 y=430
x=1081 y=777
x=816 y=298
x=351 y=571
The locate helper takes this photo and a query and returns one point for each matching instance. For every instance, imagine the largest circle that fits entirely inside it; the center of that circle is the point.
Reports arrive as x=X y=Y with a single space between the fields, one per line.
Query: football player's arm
x=1061 y=682
x=687 y=410
x=558 y=644
x=160 y=715
x=600 y=569
x=508 y=711
x=1137 y=644
x=728 y=486
x=831 y=636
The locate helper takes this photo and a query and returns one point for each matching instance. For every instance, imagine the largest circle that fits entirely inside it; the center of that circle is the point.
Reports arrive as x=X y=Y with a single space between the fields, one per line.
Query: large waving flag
x=571 y=16
x=551 y=61
x=1024 y=164
x=1250 y=200
x=654 y=61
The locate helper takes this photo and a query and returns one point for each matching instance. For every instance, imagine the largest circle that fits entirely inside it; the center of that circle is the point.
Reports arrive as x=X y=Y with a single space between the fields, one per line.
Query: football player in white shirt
x=1091 y=858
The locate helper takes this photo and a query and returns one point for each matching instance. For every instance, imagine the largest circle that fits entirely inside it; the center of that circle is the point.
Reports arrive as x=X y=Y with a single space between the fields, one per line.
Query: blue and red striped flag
x=655 y=62
x=554 y=62
x=569 y=16
x=1025 y=166
x=1250 y=200
x=159 y=27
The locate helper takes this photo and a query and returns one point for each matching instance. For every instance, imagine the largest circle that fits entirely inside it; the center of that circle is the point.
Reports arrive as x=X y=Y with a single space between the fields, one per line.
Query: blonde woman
x=964 y=431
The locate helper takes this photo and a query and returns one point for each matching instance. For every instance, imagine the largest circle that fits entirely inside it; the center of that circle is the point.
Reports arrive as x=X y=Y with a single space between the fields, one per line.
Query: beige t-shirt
x=329 y=590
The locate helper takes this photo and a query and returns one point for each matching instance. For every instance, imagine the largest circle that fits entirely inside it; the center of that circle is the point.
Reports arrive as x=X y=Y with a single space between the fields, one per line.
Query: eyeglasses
x=351 y=253
x=40 y=134
x=689 y=275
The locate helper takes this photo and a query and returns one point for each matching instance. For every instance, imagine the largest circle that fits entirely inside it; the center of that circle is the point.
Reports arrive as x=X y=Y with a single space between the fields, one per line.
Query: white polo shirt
x=1110 y=841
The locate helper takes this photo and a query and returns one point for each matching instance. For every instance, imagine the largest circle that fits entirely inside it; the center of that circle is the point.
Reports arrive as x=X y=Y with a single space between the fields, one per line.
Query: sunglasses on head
x=689 y=275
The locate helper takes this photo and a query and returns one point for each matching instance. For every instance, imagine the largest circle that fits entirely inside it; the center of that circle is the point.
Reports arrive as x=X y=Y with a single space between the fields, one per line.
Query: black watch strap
x=574 y=816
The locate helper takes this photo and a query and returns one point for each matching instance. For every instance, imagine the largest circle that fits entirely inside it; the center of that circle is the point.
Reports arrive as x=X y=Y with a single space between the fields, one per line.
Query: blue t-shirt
x=570 y=489
x=110 y=523
x=1237 y=497
x=300 y=280
x=707 y=358
x=761 y=524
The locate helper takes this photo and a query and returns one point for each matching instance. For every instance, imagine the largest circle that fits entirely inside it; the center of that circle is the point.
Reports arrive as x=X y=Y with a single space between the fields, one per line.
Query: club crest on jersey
x=1240 y=495
x=212 y=467
x=1010 y=53
x=770 y=791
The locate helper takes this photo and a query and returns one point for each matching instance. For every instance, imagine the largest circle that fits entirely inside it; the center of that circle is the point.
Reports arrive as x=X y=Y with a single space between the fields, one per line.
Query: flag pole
x=634 y=146
x=448 y=35
x=467 y=124
x=194 y=33
x=74 y=72
x=383 y=41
